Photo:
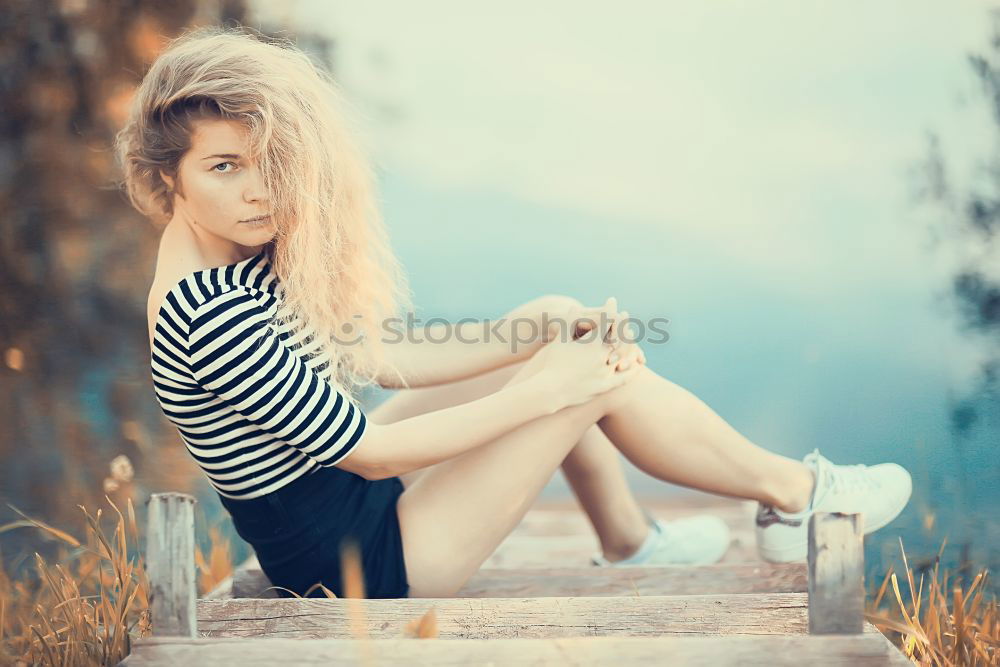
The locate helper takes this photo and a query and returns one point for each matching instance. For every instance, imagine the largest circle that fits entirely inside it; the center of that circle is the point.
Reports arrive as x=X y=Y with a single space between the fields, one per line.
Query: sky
x=744 y=169
x=759 y=130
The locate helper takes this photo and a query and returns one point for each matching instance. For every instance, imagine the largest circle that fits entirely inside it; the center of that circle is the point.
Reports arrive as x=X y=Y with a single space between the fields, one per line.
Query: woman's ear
x=168 y=180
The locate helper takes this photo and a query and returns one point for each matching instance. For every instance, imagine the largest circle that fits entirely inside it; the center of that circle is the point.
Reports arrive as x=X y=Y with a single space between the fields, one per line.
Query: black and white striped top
x=251 y=400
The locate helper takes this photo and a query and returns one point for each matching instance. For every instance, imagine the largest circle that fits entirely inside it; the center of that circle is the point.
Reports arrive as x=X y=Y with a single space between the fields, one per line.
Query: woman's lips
x=257 y=221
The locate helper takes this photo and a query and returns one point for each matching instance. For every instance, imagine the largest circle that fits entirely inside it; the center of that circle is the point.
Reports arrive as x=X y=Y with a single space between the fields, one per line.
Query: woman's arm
x=441 y=353
x=562 y=374
x=387 y=450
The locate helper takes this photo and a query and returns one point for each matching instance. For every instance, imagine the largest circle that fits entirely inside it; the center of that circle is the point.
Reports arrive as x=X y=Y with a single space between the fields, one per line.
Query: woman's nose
x=256 y=190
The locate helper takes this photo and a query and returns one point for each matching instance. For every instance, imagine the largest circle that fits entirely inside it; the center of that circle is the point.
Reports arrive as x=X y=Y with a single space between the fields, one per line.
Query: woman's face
x=219 y=189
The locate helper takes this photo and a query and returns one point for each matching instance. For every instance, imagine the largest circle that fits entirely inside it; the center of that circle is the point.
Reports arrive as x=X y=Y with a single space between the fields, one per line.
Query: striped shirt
x=252 y=402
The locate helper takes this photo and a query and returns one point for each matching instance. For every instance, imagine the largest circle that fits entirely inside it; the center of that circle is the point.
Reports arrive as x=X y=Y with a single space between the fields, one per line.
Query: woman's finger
x=610 y=311
x=629 y=355
x=589 y=323
x=618 y=378
x=614 y=329
x=621 y=377
x=614 y=353
x=622 y=346
x=623 y=334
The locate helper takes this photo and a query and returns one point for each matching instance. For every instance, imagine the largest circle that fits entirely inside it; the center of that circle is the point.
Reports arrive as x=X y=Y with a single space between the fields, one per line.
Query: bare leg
x=593 y=470
x=458 y=511
x=593 y=467
x=456 y=514
x=671 y=434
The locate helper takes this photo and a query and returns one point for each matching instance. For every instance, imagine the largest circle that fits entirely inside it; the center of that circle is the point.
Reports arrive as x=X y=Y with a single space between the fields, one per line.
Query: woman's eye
x=216 y=167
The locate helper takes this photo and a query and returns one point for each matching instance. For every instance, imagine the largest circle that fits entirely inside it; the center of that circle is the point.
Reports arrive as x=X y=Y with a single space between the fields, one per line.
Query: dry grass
x=941 y=624
x=85 y=609
x=90 y=606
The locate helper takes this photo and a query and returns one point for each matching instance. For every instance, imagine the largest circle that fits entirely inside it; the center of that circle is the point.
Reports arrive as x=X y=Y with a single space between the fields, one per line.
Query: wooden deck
x=537 y=600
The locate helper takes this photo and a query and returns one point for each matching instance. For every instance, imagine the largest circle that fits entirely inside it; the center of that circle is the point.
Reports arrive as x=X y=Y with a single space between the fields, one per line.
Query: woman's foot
x=878 y=492
x=697 y=540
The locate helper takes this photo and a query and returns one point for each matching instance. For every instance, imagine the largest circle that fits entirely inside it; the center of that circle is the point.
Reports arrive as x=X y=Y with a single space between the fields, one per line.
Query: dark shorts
x=298 y=531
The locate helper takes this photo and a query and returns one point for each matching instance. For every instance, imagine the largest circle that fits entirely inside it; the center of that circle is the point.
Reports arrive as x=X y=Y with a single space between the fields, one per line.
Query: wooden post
x=836 y=562
x=170 y=564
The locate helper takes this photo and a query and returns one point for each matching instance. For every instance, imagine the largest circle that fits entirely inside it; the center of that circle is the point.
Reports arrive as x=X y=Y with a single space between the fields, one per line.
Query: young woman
x=276 y=297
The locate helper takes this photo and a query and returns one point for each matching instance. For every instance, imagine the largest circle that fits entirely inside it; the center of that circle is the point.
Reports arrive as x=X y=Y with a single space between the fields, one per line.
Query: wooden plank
x=520 y=553
x=613 y=582
x=592 y=581
x=836 y=563
x=871 y=650
x=170 y=564
x=493 y=618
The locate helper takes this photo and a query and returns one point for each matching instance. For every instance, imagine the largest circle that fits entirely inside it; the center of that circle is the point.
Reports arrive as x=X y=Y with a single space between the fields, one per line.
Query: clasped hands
x=582 y=320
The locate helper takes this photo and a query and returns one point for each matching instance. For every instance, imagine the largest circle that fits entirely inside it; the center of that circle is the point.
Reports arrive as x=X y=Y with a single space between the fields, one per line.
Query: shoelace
x=849 y=478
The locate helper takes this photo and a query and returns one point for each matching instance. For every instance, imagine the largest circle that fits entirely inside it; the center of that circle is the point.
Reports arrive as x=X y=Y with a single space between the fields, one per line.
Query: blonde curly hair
x=331 y=250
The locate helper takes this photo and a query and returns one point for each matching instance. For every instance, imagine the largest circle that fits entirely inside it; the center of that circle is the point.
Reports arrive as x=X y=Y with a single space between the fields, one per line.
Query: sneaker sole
x=680 y=563
x=790 y=553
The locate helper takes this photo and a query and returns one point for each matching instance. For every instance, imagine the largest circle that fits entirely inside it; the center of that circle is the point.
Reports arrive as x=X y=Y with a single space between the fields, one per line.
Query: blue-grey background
x=747 y=170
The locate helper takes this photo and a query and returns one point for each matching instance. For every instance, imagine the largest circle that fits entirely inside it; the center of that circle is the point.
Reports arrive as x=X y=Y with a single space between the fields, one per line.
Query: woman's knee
x=632 y=390
x=558 y=302
x=547 y=303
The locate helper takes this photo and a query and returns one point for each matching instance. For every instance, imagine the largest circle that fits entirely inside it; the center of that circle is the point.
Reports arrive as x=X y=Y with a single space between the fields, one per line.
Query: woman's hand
x=579 y=367
x=576 y=321
x=583 y=320
x=625 y=352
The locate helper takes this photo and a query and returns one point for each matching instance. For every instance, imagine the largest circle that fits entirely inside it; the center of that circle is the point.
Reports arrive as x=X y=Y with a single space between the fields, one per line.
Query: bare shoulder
x=157 y=294
x=173 y=262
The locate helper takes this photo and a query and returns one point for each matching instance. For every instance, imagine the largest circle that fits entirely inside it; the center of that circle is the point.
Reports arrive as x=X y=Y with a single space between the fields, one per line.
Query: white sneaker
x=878 y=492
x=697 y=540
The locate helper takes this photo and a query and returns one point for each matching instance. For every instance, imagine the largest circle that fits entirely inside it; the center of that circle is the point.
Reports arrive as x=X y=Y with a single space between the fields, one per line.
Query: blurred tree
x=75 y=258
x=971 y=216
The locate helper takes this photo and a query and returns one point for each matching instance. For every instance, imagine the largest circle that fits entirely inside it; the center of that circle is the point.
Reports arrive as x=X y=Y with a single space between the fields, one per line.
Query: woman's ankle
x=627 y=541
x=792 y=490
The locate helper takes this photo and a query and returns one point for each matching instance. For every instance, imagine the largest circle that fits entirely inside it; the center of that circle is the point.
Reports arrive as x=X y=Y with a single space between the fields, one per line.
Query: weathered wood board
x=537 y=600
x=865 y=650
x=495 y=618
x=590 y=581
